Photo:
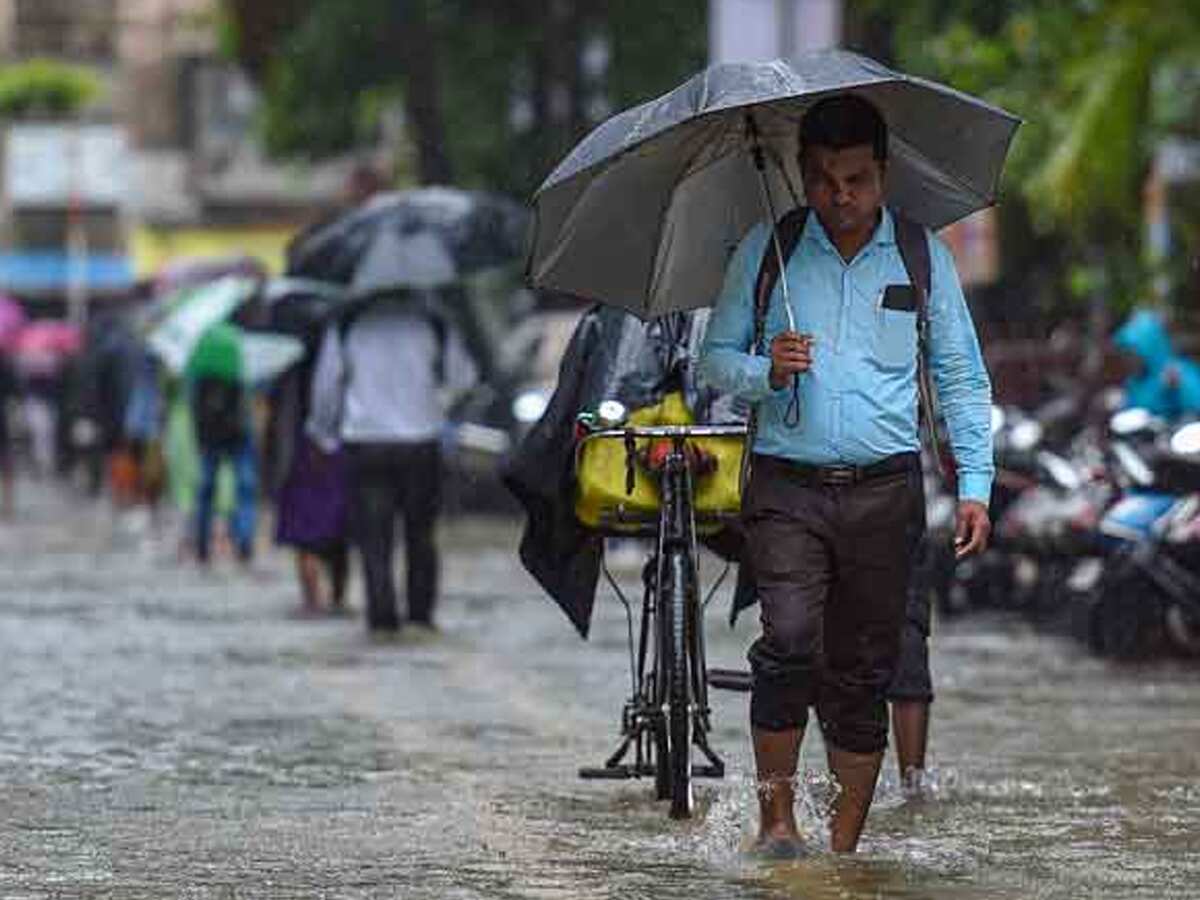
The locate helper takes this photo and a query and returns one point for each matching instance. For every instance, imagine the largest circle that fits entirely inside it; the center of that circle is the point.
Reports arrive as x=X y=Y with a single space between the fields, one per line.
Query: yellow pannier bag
x=600 y=473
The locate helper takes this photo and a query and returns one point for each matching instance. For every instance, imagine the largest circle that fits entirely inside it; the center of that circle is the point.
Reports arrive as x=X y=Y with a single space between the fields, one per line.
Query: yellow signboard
x=152 y=248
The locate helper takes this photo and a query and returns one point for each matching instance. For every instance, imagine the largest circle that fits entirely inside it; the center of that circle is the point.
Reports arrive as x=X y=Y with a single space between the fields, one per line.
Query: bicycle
x=667 y=714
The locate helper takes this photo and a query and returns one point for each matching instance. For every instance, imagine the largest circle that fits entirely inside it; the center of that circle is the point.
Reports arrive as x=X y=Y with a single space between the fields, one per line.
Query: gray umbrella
x=646 y=210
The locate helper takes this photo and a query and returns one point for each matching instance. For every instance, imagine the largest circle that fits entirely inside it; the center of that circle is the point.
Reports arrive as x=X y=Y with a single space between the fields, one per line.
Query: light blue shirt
x=858 y=402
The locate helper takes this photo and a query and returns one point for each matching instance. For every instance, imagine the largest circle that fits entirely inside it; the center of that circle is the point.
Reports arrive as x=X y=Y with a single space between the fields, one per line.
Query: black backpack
x=218 y=408
x=914 y=252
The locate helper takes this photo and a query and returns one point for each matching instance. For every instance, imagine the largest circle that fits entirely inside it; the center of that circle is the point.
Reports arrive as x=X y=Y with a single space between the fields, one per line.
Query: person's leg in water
x=776 y=757
x=911 y=690
x=337 y=564
x=792 y=573
x=243 y=521
x=8 y=491
x=374 y=494
x=421 y=502
x=880 y=522
x=206 y=491
x=910 y=727
x=308 y=572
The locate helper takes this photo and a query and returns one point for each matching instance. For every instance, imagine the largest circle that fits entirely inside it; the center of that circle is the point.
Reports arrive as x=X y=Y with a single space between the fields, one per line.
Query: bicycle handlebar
x=671 y=431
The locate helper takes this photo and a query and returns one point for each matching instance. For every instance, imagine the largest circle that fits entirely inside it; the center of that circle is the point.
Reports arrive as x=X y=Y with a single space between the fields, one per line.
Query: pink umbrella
x=12 y=320
x=41 y=347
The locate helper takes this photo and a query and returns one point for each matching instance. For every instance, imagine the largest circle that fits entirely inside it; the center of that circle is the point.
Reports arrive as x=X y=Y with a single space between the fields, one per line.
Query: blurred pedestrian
x=142 y=426
x=381 y=377
x=221 y=413
x=311 y=495
x=8 y=394
x=42 y=395
x=1164 y=382
x=834 y=508
x=910 y=693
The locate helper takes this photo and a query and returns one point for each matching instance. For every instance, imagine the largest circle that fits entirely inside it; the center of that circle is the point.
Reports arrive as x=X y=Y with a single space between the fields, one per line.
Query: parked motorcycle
x=1147 y=601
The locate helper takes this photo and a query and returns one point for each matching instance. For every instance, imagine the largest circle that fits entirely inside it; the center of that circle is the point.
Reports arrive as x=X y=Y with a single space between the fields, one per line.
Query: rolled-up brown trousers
x=832 y=563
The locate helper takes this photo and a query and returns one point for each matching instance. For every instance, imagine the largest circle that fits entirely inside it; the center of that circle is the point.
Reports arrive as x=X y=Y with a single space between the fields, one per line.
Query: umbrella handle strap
x=791 y=416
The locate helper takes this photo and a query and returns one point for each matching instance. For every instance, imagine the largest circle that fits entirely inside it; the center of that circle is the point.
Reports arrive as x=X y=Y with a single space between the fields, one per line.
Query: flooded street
x=166 y=732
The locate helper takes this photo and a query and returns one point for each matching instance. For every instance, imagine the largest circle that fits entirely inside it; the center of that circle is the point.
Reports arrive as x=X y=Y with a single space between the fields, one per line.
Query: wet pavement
x=166 y=732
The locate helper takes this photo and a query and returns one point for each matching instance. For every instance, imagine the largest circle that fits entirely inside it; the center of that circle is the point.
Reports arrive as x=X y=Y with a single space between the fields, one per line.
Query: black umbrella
x=301 y=306
x=421 y=238
x=646 y=209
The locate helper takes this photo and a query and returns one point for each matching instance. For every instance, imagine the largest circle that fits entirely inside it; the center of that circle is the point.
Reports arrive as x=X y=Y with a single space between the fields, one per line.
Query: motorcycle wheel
x=1127 y=619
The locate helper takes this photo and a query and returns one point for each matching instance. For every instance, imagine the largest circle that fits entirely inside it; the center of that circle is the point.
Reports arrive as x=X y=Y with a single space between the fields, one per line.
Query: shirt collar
x=885 y=232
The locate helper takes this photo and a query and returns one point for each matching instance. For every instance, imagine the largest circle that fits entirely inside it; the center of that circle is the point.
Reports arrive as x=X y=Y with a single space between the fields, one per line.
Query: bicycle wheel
x=676 y=668
x=662 y=760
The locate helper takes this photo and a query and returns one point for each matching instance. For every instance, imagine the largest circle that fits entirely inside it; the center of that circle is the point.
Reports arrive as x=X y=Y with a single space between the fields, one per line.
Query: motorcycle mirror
x=1064 y=474
x=1130 y=421
x=528 y=406
x=1026 y=435
x=998 y=418
x=1186 y=440
x=1133 y=465
x=1112 y=398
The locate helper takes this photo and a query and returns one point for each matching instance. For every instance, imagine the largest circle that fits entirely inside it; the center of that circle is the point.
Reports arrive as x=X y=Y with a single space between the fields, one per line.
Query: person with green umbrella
x=221 y=412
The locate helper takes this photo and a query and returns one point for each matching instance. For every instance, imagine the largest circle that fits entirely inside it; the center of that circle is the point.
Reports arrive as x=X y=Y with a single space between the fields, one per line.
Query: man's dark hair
x=841 y=121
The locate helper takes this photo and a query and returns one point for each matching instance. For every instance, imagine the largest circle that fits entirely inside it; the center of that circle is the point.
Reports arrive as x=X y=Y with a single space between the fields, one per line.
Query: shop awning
x=55 y=270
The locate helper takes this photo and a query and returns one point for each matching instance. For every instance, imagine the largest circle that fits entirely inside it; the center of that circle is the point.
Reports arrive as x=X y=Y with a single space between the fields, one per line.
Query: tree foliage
x=1098 y=83
x=45 y=88
x=493 y=94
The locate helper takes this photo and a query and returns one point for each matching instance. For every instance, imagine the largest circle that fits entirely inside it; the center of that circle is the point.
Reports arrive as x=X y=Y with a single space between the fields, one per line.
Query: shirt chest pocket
x=895 y=338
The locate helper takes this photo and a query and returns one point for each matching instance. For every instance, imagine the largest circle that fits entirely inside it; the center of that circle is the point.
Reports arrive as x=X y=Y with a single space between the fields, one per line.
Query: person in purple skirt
x=311 y=499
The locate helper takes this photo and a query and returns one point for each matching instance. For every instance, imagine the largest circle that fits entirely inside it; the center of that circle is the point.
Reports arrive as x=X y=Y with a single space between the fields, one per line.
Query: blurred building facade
x=749 y=30
x=165 y=166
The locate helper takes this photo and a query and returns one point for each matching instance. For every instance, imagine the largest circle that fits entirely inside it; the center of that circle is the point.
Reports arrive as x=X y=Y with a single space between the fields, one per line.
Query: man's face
x=845 y=187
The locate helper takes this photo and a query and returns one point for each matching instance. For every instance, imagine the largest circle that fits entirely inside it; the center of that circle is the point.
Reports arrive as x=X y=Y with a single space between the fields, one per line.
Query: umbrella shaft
x=769 y=206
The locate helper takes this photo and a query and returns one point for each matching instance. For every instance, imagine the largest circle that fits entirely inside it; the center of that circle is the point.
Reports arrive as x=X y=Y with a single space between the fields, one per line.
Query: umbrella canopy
x=217 y=354
x=266 y=355
x=193 y=312
x=301 y=306
x=227 y=352
x=646 y=210
x=421 y=238
x=41 y=347
x=186 y=272
x=12 y=320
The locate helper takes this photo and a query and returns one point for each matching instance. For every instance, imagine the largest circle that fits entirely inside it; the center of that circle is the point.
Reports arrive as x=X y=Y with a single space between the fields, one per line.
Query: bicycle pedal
x=730 y=680
x=711 y=771
x=612 y=773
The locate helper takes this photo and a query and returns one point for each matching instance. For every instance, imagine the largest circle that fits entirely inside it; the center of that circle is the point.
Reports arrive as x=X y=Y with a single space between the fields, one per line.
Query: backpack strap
x=790 y=228
x=436 y=321
x=913 y=244
x=914 y=252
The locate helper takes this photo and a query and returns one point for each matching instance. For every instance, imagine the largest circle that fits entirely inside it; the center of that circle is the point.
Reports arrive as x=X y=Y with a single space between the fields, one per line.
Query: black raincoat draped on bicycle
x=611 y=356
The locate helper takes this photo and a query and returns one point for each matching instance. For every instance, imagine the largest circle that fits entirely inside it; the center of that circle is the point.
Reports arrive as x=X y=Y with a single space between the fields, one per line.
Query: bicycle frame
x=668 y=711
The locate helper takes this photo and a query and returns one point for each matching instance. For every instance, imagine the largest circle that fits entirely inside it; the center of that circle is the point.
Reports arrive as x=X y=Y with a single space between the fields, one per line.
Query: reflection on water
x=165 y=733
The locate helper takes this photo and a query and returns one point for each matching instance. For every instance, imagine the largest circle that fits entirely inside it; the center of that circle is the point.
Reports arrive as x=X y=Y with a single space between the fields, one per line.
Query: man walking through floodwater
x=834 y=508
x=381 y=378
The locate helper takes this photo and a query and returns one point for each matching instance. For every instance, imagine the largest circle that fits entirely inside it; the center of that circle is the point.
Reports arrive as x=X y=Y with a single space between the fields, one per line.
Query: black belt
x=838 y=476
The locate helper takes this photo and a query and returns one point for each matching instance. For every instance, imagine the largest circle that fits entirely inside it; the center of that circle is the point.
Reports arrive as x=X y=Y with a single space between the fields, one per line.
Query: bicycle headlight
x=612 y=413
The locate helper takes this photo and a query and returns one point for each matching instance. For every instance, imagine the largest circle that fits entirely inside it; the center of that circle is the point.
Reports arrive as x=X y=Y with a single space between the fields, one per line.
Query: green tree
x=1099 y=83
x=45 y=88
x=493 y=93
